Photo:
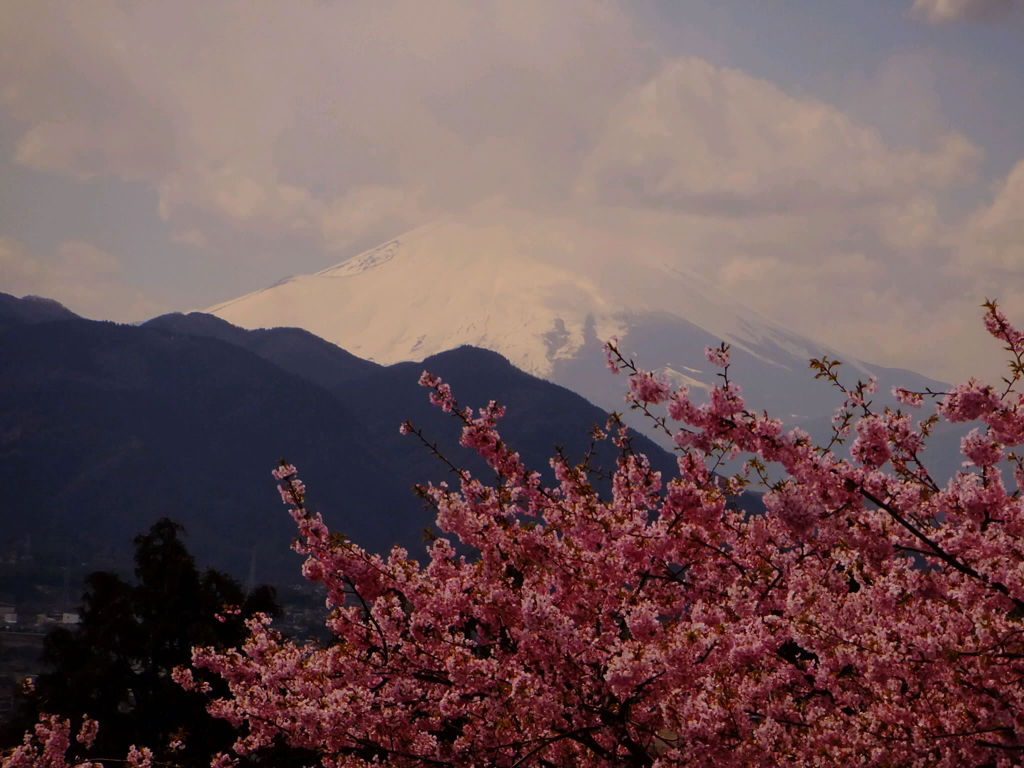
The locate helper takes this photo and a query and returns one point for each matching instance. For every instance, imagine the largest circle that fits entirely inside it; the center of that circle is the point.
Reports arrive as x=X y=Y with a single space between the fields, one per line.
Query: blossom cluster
x=868 y=615
x=47 y=745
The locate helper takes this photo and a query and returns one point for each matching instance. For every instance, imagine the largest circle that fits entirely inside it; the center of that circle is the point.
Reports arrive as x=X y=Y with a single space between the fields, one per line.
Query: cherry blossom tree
x=870 y=615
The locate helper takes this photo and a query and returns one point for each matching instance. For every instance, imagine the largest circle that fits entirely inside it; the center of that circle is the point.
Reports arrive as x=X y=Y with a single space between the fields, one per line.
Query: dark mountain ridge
x=31 y=309
x=293 y=349
x=105 y=428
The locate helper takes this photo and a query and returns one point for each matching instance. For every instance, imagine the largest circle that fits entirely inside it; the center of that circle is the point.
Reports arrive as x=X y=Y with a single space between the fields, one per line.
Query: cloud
x=275 y=138
x=989 y=257
x=81 y=276
x=193 y=238
x=994 y=236
x=793 y=206
x=74 y=84
x=944 y=11
x=277 y=117
x=716 y=140
x=367 y=208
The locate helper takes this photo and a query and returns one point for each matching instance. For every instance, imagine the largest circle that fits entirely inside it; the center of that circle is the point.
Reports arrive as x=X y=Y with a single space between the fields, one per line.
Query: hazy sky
x=852 y=168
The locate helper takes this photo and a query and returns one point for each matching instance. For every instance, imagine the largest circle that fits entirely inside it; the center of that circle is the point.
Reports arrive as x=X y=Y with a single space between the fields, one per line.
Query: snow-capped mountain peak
x=364 y=261
x=546 y=296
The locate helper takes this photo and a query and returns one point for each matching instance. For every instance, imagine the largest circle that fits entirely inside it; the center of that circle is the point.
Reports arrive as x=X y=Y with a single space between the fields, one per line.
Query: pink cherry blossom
x=868 y=615
x=648 y=387
x=718 y=355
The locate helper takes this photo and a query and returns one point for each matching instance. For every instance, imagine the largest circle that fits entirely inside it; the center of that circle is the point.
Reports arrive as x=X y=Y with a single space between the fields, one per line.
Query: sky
x=853 y=170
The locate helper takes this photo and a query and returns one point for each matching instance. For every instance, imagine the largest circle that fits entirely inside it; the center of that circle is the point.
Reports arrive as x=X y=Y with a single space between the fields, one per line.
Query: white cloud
x=374 y=208
x=193 y=238
x=943 y=11
x=994 y=236
x=792 y=206
x=717 y=140
x=989 y=256
x=81 y=276
x=76 y=86
x=315 y=128
x=275 y=116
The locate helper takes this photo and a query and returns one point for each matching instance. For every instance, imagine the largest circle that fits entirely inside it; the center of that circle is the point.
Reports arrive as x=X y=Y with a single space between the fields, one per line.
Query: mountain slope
x=547 y=302
x=295 y=350
x=540 y=416
x=105 y=428
x=31 y=309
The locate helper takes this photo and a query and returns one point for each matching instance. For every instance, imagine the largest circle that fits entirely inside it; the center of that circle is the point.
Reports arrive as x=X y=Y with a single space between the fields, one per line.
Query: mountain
x=540 y=416
x=293 y=349
x=31 y=309
x=547 y=302
x=105 y=428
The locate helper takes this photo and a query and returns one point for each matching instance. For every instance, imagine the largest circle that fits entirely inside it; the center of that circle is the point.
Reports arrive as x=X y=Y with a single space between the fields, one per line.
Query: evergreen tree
x=116 y=665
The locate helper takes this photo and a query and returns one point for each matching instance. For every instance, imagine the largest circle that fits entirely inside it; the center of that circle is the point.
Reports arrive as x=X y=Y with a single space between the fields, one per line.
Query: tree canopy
x=116 y=664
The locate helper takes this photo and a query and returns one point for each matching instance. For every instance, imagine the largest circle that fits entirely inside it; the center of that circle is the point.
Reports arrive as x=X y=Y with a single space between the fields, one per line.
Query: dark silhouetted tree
x=116 y=664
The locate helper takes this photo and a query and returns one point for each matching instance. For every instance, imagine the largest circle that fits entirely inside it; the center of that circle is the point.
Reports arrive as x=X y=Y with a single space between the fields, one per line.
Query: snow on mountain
x=546 y=296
